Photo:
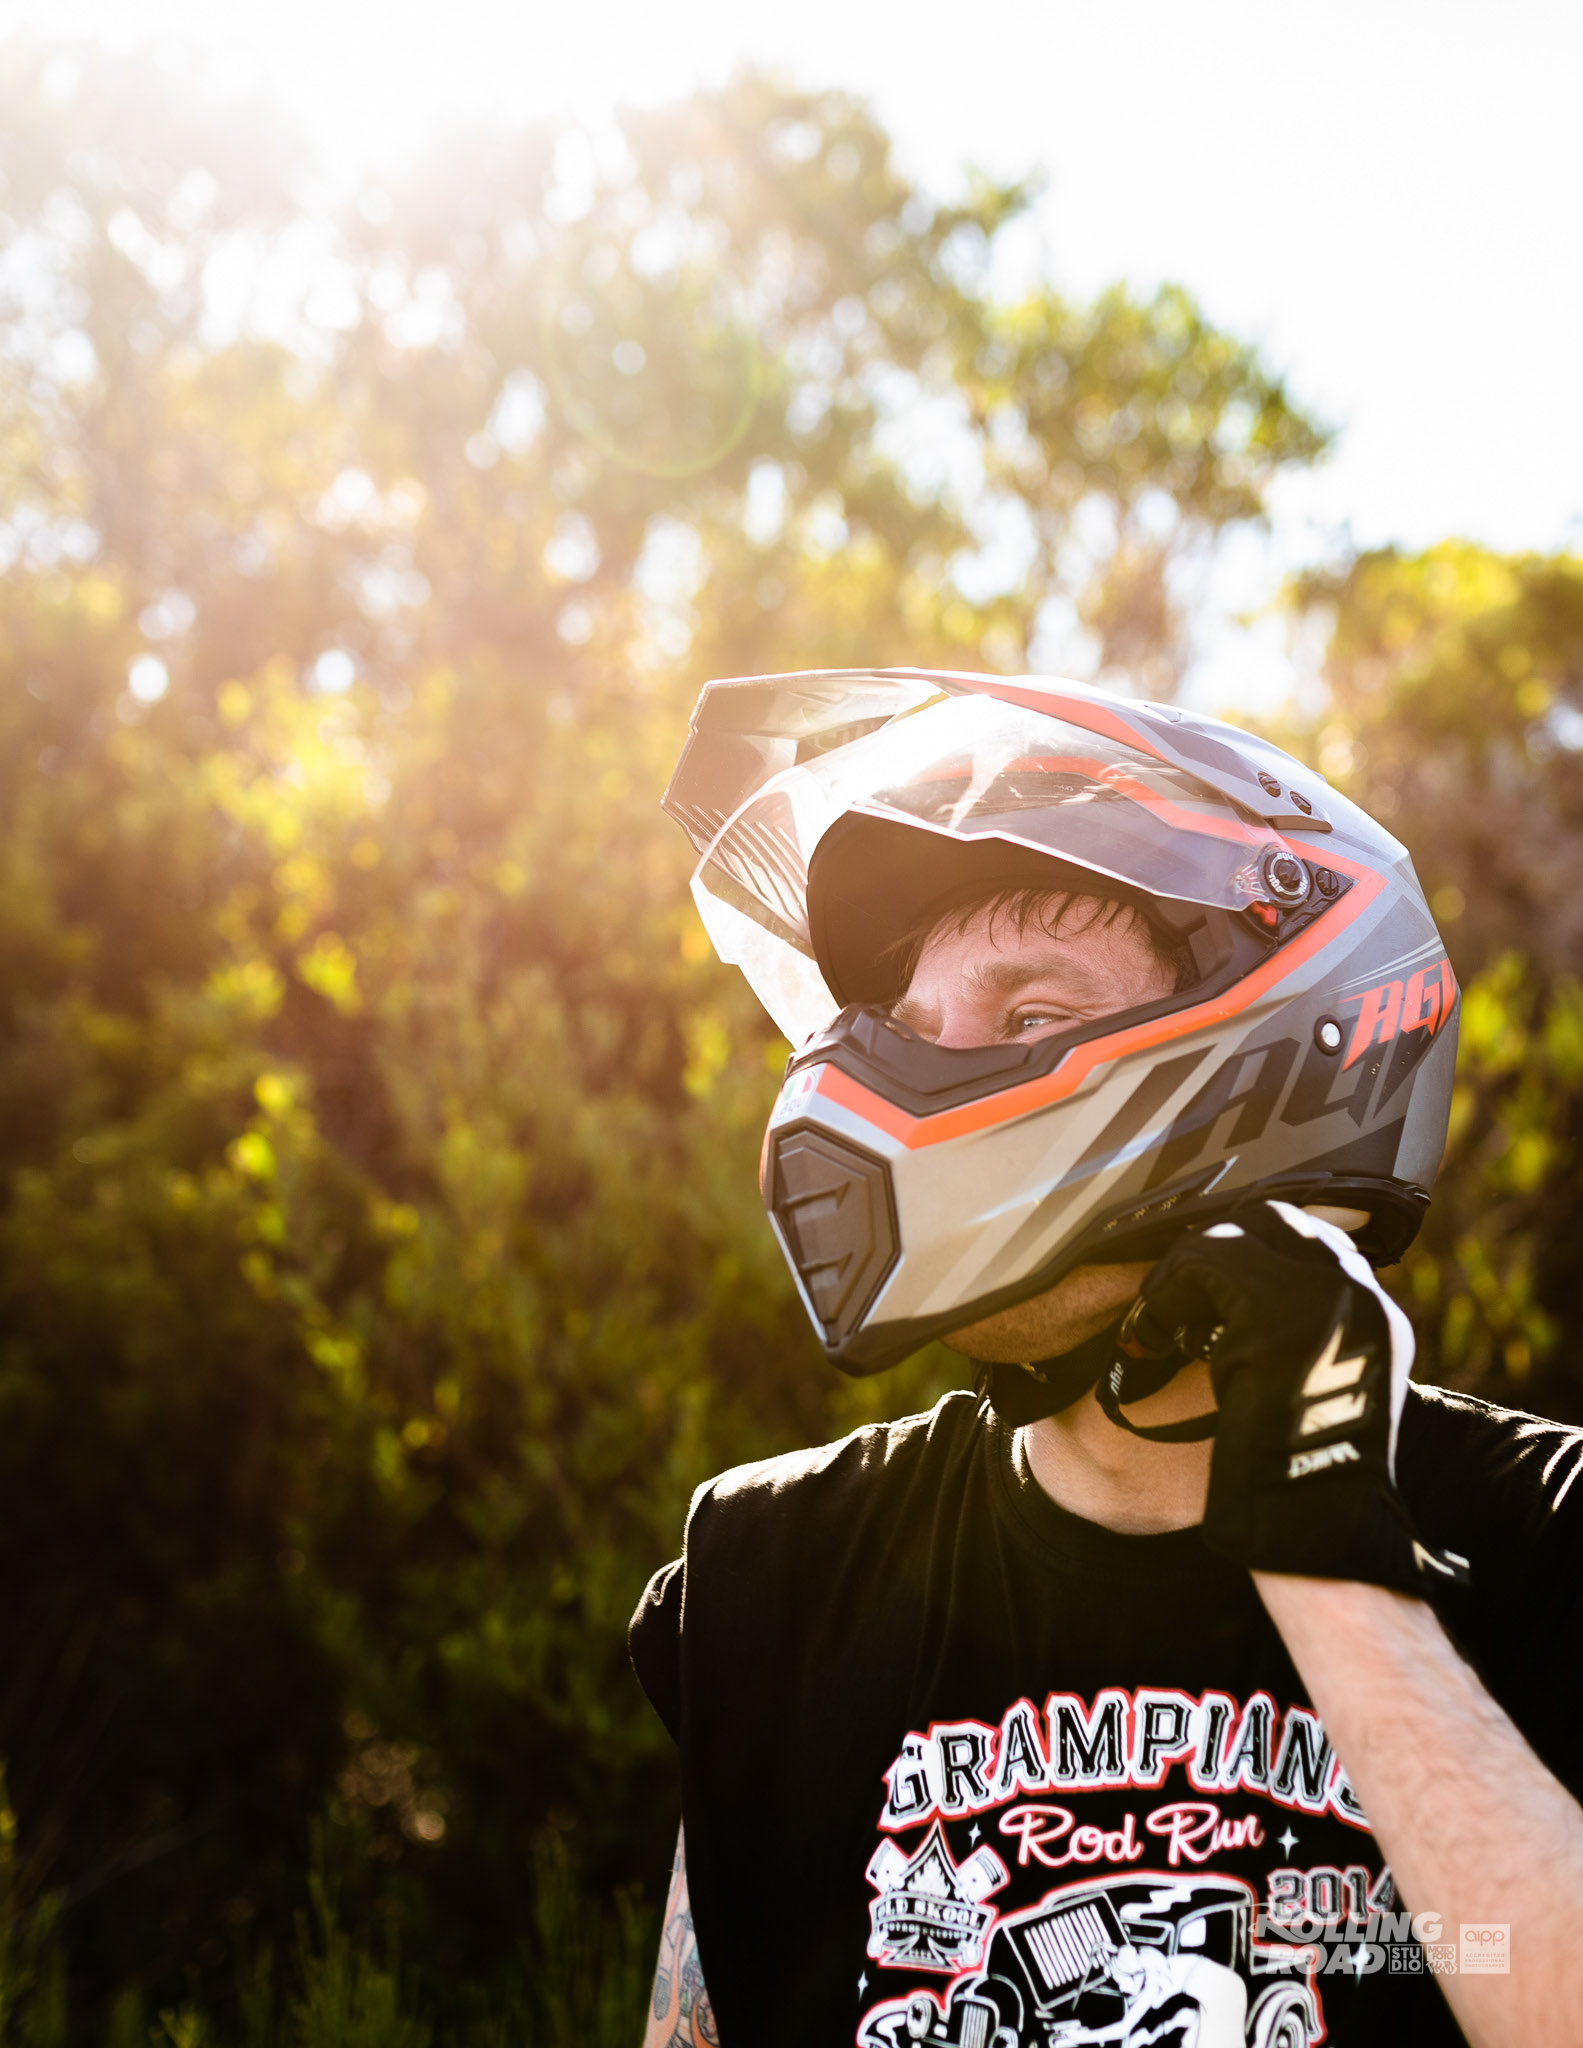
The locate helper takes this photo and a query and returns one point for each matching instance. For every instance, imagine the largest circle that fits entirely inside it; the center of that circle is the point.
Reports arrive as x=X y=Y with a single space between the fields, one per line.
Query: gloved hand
x=1309 y=1360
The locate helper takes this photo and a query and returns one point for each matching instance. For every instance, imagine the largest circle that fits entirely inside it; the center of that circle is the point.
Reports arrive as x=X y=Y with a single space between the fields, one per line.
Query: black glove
x=1309 y=1361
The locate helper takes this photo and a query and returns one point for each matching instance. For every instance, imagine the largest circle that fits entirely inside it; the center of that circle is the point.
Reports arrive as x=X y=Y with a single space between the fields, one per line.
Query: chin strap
x=1144 y=1357
x=1126 y=1362
x=1020 y=1394
x=1193 y=1430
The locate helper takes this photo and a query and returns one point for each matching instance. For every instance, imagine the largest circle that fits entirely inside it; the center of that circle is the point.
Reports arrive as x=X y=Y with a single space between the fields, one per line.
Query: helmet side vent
x=833 y=1208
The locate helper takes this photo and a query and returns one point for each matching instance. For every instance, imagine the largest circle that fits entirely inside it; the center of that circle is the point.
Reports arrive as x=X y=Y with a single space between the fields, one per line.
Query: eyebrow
x=1002 y=978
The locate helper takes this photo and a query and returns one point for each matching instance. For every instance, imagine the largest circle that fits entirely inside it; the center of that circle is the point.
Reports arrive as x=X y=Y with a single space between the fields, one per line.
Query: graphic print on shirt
x=1150 y=1959
x=928 y=1912
x=1118 y=1869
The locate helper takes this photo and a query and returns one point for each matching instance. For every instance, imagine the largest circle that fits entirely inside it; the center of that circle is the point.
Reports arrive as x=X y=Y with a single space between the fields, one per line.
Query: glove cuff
x=1367 y=1535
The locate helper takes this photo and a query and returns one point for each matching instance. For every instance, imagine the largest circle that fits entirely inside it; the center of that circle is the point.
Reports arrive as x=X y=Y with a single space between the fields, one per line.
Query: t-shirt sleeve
x=1506 y=1491
x=1503 y=1488
x=1544 y=1585
x=654 y=1640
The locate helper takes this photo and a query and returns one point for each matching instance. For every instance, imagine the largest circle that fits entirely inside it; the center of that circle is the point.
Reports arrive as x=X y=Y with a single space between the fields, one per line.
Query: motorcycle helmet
x=1306 y=1052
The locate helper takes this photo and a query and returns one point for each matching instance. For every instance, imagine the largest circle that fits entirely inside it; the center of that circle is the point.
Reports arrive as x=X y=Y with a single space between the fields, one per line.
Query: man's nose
x=964 y=1023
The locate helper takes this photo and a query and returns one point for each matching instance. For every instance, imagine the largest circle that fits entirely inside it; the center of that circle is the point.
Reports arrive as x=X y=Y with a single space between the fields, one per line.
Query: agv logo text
x=1420 y=1003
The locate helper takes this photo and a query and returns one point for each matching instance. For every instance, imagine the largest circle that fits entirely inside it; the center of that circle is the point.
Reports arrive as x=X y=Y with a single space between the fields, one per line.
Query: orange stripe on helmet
x=1076 y=710
x=1206 y=823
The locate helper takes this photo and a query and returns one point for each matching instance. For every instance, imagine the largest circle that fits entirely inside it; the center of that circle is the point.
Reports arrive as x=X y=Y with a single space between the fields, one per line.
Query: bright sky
x=1384 y=192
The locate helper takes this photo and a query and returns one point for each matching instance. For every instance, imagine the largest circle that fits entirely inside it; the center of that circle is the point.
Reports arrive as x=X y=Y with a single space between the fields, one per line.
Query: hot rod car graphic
x=1164 y=1961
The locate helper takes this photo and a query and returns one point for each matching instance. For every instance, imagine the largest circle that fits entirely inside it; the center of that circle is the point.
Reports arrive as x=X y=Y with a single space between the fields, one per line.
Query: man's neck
x=1091 y=1468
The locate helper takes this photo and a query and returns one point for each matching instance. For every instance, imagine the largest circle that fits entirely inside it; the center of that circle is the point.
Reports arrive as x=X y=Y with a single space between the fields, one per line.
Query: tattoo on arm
x=680 y=2015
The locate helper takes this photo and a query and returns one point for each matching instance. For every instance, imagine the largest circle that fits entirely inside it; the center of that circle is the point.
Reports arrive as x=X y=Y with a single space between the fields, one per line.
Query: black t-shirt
x=940 y=1737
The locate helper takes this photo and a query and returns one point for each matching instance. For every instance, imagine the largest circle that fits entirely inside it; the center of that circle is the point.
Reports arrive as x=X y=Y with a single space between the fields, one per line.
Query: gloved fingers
x=1255 y=1245
x=1181 y=1303
x=1309 y=1374
x=1200 y=1276
x=1255 y=1302
x=1289 y=1233
x=1403 y=1343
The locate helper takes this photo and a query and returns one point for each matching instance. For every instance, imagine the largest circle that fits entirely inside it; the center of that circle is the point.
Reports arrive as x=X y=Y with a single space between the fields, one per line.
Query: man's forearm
x=1472 y=1824
x=680 y=2015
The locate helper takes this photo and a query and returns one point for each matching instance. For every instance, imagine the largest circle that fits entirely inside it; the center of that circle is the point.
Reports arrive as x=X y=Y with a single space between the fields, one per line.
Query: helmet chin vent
x=836 y=1216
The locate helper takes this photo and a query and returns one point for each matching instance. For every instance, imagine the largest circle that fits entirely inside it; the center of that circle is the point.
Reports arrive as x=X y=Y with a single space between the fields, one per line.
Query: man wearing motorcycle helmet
x=1123 y=1048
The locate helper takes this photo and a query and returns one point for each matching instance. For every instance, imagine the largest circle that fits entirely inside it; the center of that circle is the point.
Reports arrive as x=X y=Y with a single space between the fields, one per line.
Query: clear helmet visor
x=977 y=772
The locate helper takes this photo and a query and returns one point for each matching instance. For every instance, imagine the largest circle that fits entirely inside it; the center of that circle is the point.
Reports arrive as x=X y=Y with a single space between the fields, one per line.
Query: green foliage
x=346 y=2000
x=379 y=1263
x=590 y=1973
x=1455 y=713
x=380 y=1267
x=1481 y=1280
x=1455 y=700
x=581 y=1980
x=32 y=1967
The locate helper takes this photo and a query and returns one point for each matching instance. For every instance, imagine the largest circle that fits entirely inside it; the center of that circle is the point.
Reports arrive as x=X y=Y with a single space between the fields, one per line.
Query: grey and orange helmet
x=1306 y=1055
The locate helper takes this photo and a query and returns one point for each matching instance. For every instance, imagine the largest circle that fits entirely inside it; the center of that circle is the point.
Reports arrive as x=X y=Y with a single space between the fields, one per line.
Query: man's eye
x=1038 y=1020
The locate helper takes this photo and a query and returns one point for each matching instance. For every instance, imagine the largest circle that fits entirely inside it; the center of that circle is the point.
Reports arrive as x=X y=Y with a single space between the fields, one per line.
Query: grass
x=583 y=1983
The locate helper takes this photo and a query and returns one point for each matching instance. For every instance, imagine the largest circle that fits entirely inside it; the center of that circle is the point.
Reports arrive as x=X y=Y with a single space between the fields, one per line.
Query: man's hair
x=1057 y=912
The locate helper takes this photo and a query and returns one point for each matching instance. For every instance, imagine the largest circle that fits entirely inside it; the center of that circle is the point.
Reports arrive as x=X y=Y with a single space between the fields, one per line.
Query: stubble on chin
x=1071 y=1312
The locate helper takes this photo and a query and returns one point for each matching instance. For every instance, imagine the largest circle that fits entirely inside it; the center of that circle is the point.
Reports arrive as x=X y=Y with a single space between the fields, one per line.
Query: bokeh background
x=401 y=414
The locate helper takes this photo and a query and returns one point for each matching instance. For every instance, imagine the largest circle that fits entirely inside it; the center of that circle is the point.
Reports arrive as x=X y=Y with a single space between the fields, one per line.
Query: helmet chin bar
x=834 y=1210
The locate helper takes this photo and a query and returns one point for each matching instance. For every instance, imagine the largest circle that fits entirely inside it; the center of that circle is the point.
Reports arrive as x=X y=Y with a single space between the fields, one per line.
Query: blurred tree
x=1454 y=712
x=1455 y=699
x=379 y=1264
x=1129 y=436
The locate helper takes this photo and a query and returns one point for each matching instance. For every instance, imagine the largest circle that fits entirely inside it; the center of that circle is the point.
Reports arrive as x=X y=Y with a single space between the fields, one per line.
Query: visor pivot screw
x=1327 y=883
x=1285 y=876
x=1303 y=804
x=1328 y=1035
x=1269 y=784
